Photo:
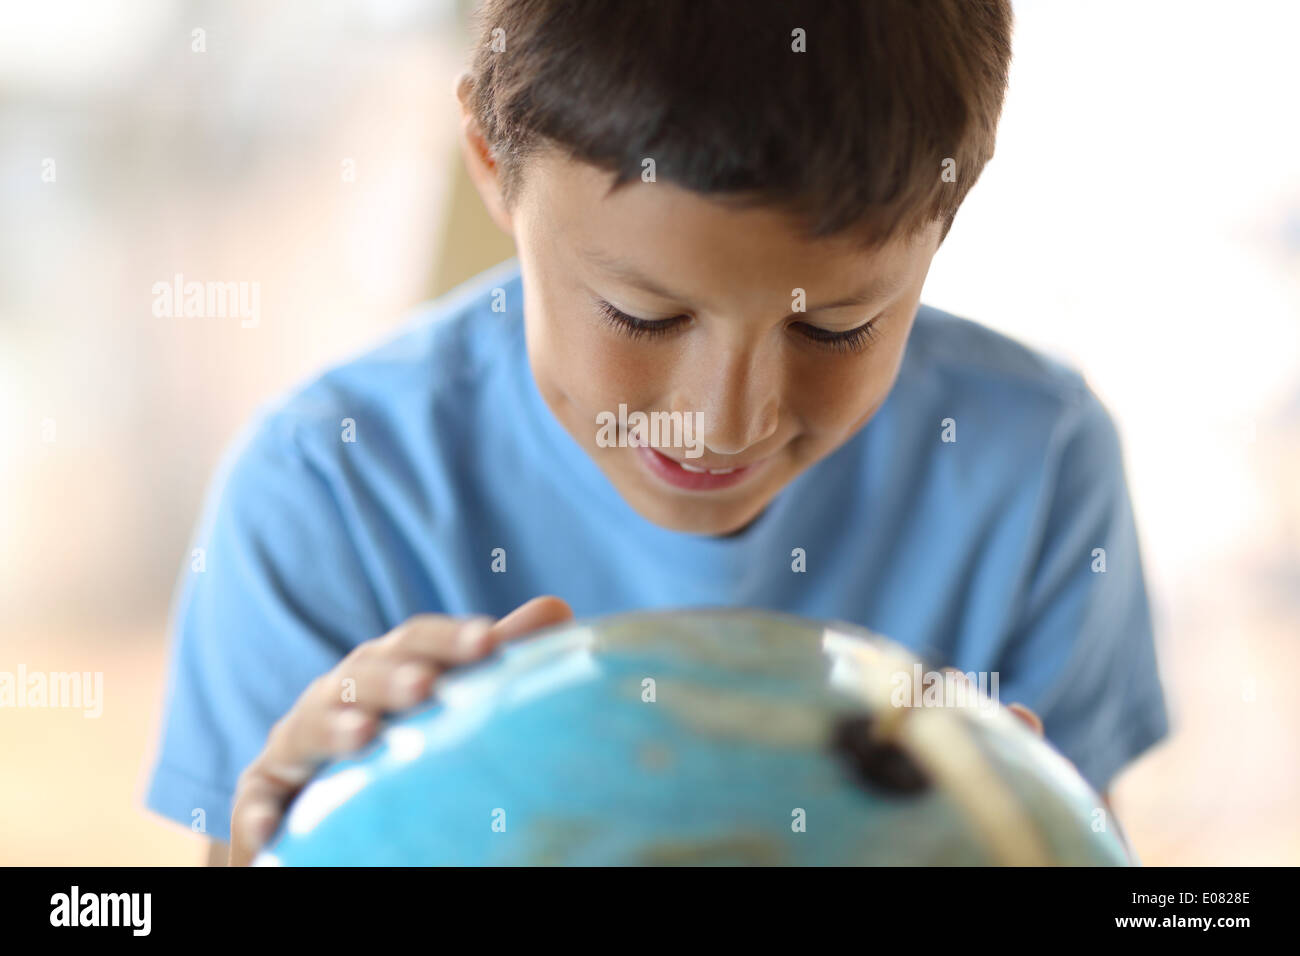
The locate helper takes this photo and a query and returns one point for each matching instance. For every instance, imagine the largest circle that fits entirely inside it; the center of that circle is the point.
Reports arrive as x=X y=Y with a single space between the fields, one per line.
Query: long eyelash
x=854 y=340
x=631 y=325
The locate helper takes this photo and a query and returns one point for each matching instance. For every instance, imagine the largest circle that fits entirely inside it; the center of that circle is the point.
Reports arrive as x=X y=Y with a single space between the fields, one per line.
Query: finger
x=256 y=815
x=343 y=712
x=292 y=755
x=540 y=612
x=308 y=736
x=395 y=675
x=445 y=641
x=378 y=684
x=1028 y=716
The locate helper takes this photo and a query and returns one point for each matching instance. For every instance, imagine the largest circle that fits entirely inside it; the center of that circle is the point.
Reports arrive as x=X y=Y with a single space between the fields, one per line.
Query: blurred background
x=1141 y=220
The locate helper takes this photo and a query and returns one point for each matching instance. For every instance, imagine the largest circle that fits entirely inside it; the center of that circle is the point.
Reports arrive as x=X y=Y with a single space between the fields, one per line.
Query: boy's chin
x=714 y=519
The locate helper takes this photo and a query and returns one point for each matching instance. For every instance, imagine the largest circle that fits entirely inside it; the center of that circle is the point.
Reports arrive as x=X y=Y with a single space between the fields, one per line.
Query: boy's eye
x=637 y=328
x=852 y=340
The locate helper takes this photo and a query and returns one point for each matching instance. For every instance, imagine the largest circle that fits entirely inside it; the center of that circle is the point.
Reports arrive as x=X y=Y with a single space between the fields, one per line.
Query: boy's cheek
x=593 y=375
x=590 y=388
x=577 y=400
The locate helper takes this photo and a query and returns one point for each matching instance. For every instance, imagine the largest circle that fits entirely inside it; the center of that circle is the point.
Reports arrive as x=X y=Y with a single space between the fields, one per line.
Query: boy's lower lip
x=670 y=472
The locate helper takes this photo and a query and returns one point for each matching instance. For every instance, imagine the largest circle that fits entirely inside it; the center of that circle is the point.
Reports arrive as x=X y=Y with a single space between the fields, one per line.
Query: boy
x=724 y=215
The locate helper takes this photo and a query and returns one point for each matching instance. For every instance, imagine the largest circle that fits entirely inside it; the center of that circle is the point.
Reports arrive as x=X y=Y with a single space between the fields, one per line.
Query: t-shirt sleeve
x=1083 y=653
x=273 y=595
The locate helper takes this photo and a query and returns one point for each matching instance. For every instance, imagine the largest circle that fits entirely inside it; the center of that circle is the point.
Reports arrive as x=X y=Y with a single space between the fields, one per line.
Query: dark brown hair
x=851 y=135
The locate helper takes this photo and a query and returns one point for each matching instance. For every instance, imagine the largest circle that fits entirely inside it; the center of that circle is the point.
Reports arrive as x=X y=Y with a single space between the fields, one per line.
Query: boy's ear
x=479 y=163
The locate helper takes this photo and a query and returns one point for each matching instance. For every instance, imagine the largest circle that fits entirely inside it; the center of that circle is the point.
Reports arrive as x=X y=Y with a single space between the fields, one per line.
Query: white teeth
x=700 y=471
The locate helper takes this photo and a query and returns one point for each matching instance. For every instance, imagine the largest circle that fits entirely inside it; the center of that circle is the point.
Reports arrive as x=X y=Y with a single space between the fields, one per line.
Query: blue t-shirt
x=978 y=553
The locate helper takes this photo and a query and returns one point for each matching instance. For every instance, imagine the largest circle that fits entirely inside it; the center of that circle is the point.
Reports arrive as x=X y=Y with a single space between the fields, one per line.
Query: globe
x=711 y=736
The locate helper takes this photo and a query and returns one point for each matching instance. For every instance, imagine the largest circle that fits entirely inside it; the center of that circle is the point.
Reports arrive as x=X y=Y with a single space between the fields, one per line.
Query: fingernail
x=1027 y=716
x=473 y=635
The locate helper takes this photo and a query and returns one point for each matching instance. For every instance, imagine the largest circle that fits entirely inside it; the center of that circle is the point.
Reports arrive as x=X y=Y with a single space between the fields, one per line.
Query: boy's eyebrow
x=631 y=276
x=875 y=291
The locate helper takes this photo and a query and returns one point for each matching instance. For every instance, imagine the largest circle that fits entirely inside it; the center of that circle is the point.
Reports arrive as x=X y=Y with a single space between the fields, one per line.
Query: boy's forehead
x=649 y=234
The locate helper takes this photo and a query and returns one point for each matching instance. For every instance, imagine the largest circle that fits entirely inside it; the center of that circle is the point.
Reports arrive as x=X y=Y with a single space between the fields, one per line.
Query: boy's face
x=734 y=347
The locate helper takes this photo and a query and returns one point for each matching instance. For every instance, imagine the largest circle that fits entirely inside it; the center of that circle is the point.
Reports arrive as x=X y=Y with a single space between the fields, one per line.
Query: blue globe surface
x=697 y=737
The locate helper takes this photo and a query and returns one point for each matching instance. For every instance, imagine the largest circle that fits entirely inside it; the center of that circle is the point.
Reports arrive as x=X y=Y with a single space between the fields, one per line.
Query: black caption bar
x=217 y=905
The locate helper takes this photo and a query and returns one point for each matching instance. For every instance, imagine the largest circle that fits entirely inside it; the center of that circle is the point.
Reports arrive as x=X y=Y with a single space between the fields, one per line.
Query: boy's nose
x=739 y=400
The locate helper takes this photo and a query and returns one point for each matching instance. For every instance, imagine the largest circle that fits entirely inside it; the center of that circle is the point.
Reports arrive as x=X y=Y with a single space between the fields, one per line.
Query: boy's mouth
x=690 y=477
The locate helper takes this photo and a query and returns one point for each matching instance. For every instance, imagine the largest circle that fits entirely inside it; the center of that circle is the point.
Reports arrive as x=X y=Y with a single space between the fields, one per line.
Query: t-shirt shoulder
x=1016 y=410
x=965 y=353
x=436 y=357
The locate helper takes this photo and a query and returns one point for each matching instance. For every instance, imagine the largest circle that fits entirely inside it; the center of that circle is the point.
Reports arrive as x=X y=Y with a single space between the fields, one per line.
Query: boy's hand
x=389 y=673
